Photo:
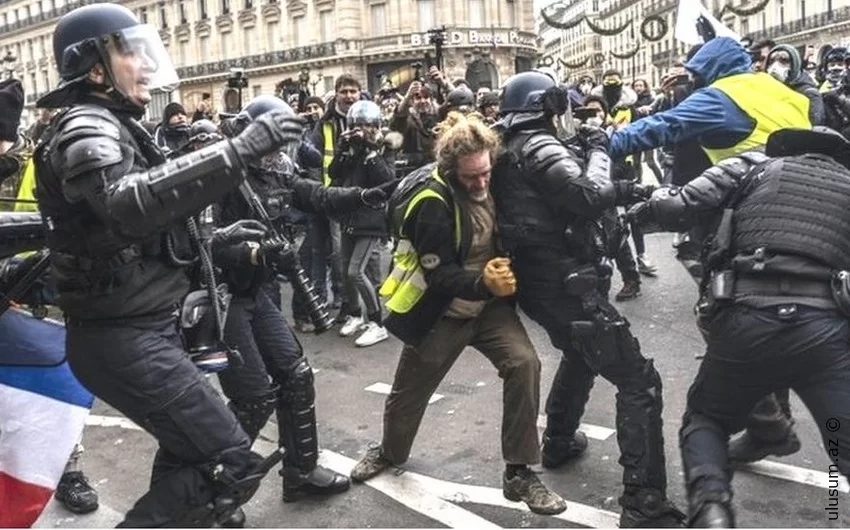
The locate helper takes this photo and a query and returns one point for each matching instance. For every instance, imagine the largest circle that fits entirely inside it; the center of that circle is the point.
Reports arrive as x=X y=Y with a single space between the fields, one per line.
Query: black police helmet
x=257 y=107
x=203 y=127
x=364 y=113
x=75 y=37
x=524 y=92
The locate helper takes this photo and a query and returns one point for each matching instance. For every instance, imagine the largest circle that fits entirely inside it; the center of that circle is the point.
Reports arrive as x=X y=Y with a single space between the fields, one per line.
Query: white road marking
x=800 y=475
x=111 y=421
x=401 y=487
x=383 y=388
x=592 y=431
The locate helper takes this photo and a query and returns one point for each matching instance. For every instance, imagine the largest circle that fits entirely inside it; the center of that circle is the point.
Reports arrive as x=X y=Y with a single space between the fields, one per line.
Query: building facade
x=646 y=51
x=310 y=42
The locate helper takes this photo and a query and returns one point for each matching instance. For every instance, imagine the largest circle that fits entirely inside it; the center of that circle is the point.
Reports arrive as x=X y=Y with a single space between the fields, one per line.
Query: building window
x=224 y=40
x=46 y=77
x=203 y=47
x=511 y=8
x=181 y=52
x=5 y=19
x=181 y=11
x=33 y=83
x=329 y=83
x=163 y=16
x=249 y=41
x=326 y=25
x=225 y=7
x=257 y=90
x=249 y=4
x=143 y=15
x=803 y=9
x=30 y=49
x=202 y=9
x=271 y=36
x=298 y=31
x=28 y=11
x=427 y=14
x=781 y=5
x=42 y=45
x=379 y=19
x=476 y=13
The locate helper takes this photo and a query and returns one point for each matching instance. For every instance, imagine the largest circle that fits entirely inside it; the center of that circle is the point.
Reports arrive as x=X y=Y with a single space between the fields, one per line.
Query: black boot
x=631 y=287
x=320 y=481
x=75 y=493
x=237 y=520
x=558 y=451
x=747 y=448
x=649 y=508
x=710 y=506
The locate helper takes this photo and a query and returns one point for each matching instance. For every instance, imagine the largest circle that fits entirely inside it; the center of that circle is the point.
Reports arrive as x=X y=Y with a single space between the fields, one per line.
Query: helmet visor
x=139 y=60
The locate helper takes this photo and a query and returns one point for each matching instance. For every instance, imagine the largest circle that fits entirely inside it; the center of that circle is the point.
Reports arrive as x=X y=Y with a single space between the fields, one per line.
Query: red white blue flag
x=43 y=410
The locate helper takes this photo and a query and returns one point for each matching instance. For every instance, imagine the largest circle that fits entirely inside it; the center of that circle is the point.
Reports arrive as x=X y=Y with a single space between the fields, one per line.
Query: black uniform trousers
x=141 y=369
x=615 y=355
x=752 y=352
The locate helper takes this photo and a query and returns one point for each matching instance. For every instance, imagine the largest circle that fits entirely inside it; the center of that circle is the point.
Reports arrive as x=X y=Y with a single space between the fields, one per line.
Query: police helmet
x=524 y=92
x=205 y=132
x=837 y=54
x=93 y=34
x=363 y=113
x=257 y=107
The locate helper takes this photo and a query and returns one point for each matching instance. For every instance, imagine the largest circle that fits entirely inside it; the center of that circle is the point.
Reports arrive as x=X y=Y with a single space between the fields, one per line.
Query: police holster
x=840 y=285
x=201 y=322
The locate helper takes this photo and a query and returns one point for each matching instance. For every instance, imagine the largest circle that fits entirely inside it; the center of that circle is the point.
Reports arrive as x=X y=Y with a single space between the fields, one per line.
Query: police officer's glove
x=238 y=232
x=378 y=196
x=278 y=252
x=644 y=191
x=640 y=213
x=629 y=192
x=594 y=137
x=268 y=133
x=499 y=278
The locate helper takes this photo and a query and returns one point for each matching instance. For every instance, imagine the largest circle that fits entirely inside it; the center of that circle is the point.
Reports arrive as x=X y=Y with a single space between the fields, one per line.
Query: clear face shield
x=139 y=63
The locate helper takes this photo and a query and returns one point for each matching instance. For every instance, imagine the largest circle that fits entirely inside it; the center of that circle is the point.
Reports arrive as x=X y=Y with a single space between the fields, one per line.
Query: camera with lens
x=437 y=36
x=237 y=78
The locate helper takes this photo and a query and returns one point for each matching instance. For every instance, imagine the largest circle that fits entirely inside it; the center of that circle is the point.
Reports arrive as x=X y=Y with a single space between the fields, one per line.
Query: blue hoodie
x=708 y=114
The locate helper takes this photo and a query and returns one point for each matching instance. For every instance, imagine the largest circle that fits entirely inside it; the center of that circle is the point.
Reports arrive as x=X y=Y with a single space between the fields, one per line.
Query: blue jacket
x=707 y=115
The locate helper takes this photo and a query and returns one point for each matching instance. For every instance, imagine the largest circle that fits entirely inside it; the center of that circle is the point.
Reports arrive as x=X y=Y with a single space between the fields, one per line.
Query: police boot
x=296 y=417
x=747 y=448
x=710 y=508
x=75 y=493
x=649 y=508
x=557 y=451
x=237 y=520
x=631 y=287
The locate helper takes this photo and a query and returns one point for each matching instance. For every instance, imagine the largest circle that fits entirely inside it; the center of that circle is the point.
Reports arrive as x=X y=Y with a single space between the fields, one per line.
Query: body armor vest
x=800 y=206
x=99 y=273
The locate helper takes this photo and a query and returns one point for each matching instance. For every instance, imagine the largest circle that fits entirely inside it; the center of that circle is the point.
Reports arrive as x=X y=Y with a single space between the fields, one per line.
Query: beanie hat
x=314 y=100
x=172 y=109
x=11 y=107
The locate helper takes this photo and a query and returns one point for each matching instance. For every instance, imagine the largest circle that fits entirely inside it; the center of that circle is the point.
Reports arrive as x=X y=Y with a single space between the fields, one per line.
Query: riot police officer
x=109 y=201
x=548 y=202
x=256 y=327
x=773 y=306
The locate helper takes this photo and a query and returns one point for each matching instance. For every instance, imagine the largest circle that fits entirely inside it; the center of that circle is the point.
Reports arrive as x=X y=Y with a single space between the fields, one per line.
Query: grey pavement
x=458 y=443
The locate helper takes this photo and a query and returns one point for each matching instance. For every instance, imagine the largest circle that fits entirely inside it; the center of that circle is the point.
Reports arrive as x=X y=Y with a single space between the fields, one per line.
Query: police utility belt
x=730 y=286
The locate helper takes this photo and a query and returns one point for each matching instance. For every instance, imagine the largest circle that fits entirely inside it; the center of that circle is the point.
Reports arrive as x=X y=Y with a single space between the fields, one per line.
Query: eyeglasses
x=203 y=138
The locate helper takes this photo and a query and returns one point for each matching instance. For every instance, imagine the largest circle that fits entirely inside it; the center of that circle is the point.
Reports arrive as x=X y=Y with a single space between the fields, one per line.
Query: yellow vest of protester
x=768 y=102
x=406 y=284
x=328 y=138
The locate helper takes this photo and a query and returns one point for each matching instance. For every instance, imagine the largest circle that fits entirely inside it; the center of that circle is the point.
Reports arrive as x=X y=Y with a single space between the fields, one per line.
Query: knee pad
x=297 y=418
x=297 y=389
x=254 y=413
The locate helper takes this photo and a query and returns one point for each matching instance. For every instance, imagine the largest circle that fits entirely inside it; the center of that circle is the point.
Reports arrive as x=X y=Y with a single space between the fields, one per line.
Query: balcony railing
x=315 y=51
x=44 y=16
x=809 y=23
x=656 y=7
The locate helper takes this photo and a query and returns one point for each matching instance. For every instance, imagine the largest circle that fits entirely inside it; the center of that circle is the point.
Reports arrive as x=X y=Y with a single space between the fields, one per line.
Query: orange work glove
x=499 y=278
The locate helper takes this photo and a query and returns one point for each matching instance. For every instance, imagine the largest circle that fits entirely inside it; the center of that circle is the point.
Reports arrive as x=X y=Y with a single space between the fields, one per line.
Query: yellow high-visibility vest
x=406 y=284
x=26 y=189
x=768 y=102
x=328 y=138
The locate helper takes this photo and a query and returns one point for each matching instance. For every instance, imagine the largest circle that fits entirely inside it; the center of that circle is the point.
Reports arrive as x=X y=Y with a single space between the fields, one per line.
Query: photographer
x=359 y=162
x=415 y=119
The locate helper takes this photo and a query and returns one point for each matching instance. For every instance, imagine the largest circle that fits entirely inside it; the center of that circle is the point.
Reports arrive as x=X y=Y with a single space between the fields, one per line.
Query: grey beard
x=478 y=197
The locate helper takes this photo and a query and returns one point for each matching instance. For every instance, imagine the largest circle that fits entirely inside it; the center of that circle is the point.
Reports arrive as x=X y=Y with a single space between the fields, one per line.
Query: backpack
x=400 y=200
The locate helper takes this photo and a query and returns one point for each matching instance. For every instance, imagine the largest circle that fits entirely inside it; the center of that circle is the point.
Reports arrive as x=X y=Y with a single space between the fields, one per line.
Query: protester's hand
x=499 y=278
x=435 y=74
x=413 y=89
x=593 y=137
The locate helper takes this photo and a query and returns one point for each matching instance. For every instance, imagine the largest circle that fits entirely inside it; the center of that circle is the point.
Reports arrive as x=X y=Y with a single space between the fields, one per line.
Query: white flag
x=686 y=23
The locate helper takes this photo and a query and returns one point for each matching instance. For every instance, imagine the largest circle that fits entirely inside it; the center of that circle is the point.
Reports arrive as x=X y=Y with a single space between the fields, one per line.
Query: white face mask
x=585 y=88
x=779 y=72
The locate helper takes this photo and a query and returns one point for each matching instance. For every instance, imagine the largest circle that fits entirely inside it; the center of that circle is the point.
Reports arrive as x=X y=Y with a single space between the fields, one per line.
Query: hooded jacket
x=803 y=83
x=708 y=114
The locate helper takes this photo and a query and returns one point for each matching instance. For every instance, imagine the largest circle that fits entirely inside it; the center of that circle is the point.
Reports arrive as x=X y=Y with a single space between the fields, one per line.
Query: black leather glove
x=268 y=133
x=640 y=213
x=244 y=230
x=278 y=252
x=594 y=137
x=378 y=196
x=644 y=191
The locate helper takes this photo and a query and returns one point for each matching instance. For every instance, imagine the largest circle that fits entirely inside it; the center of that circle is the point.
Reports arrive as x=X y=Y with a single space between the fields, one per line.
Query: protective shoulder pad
x=88 y=138
x=738 y=166
x=543 y=150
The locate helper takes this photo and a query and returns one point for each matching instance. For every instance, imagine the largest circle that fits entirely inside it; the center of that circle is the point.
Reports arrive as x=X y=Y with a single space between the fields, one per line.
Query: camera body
x=237 y=78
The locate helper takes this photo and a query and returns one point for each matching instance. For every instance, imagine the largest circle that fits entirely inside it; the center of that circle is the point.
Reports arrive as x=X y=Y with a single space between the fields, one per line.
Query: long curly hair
x=462 y=135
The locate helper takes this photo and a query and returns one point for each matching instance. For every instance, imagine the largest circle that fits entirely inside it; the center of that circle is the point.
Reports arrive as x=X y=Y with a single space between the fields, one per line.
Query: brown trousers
x=497 y=333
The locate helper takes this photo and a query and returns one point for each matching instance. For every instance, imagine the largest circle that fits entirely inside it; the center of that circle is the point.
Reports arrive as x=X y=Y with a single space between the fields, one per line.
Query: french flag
x=43 y=410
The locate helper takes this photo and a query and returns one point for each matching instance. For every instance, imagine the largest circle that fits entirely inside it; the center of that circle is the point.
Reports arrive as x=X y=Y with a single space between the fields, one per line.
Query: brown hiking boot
x=631 y=287
x=526 y=487
x=370 y=465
